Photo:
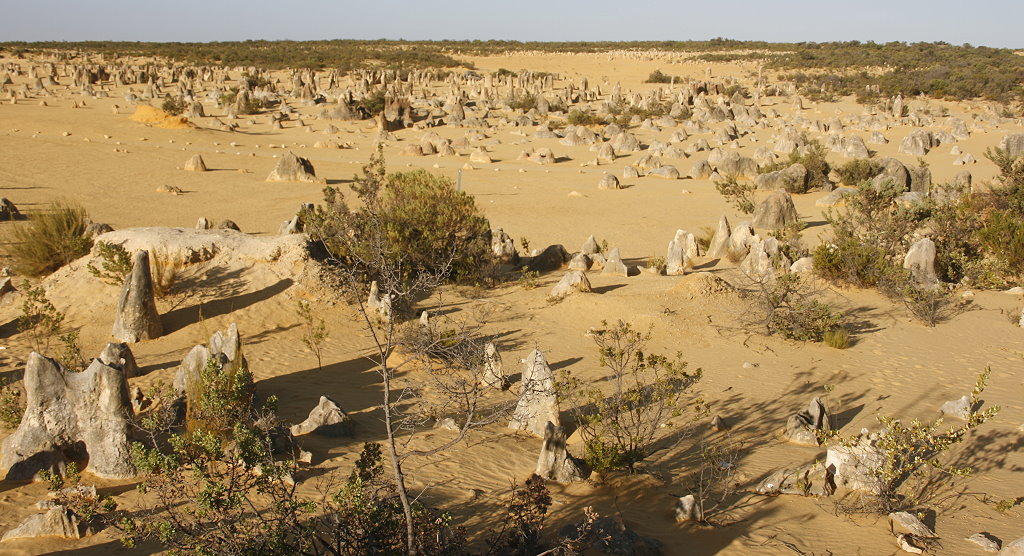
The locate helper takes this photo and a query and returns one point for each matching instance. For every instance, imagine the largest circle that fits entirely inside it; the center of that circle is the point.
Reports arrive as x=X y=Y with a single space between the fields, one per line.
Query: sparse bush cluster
x=174 y=106
x=51 y=239
x=657 y=76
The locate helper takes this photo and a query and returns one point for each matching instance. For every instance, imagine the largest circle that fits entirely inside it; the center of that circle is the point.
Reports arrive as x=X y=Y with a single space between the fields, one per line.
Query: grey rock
x=378 y=303
x=802 y=427
x=294 y=168
x=777 y=211
x=1013 y=144
x=554 y=462
x=608 y=181
x=553 y=257
x=793 y=179
x=327 y=418
x=961 y=409
x=987 y=542
x=614 y=265
x=493 y=374
x=920 y=261
x=195 y=164
x=590 y=246
x=687 y=509
x=574 y=281
x=853 y=467
x=909 y=523
x=666 y=171
x=8 y=211
x=120 y=356
x=719 y=246
x=917 y=143
x=71 y=416
x=57 y=521
x=137 y=317
x=538 y=403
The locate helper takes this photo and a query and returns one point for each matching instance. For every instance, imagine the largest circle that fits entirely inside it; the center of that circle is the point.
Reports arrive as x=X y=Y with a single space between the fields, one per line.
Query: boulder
x=917 y=143
x=667 y=171
x=137 y=317
x=853 y=467
x=538 y=403
x=802 y=427
x=195 y=164
x=574 y=281
x=920 y=261
x=503 y=247
x=608 y=181
x=553 y=257
x=777 y=211
x=493 y=374
x=719 y=246
x=71 y=416
x=326 y=418
x=985 y=541
x=378 y=303
x=8 y=211
x=682 y=250
x=614 y=265
x=687 y=509
x=809 y=480
x=294 y=168
x=793 y=179
x=1013 y=144
x=554 y=462
x=590 y=246
x=57 y=521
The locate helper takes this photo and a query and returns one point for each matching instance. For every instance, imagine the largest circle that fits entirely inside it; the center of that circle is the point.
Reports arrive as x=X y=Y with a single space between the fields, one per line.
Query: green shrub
x=52 y=239
x=579 y=117
x=39 y=319
x=838 y=338
x=618 y=429
x=858 y=171
x=174 y=106
x=12 y=406
x=657 y=76
x=414 y=222
x=116 y=263
x=789 y=306
x=523 y=102
x=739 y=194
x=848 y=261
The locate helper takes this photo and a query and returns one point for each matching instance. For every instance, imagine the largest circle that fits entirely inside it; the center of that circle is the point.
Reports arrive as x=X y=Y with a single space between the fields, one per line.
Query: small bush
x=528 y=279
x=659 y=264
x=51 y=239
x=12 y=405
x=739 y=195
x=579 y=117
x=165 y=271
x=838 y=338
x=851 y=262
x=523 y=102
x=39 y=319
x=788 y=306
x=174 y=106
x=116 y=263
x=858 y=171
x=619 y=429
x=657 y=76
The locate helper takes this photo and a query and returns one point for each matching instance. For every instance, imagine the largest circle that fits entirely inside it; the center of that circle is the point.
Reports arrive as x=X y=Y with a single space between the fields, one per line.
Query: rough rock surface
x=71 y=416
x=538 y=404
x=775 y=212
x=294 y=168
x=137 y=317
x=574 y=281
x=554 y=462
x=326 y=418
x=57 y=521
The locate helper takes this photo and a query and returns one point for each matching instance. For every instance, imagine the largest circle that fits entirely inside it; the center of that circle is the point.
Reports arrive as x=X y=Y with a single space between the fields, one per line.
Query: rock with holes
x=71 y=416
x=554 y=462
x=538 y=404
x=327 y=418
x=137 y=318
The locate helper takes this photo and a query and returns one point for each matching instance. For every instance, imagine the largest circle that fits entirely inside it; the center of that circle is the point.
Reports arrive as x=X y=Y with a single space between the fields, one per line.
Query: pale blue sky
x=979 y=22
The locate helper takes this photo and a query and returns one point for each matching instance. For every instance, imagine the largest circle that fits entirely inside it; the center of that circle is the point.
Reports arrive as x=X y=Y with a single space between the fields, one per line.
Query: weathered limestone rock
x=590 y=246
x=574 y=281
x=57 y=521
x=809 y=480
x=853 y=467
x=503 y=247
x=793 y=178
x=580 y=261
x=195 y=164
x=1013 y=144
x=493 y=374
x=906 y=544
x=985 y=541
x=687 y=509
x=71 y=416
x=917 y=143
x=614 y=264
x=223 y=348
x=554 y=462
x=326 y=418
x=909 y=523
x=119 y=356
x=553 y=257
x=137 y=317
x=377 y=303
x=294 y=168
x=682 y=250
x=666 y=171
x=538 y=404
x=777 y=211
x=608 y=181
x=8 y=211
x=802 y=427
x=961 y=409
x=757 y=265
x=719 y=246
x=920 y=261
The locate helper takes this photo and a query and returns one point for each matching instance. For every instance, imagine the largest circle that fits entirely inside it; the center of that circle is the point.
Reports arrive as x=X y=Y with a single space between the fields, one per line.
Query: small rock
x=905 y=542
x=985 y=541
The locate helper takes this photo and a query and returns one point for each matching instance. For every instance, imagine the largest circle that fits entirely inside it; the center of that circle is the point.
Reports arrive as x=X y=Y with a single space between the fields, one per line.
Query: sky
x=979 y=22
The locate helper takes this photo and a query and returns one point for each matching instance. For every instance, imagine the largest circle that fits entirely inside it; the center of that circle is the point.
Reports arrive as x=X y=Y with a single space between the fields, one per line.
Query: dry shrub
x=166 y=270
x=52 y=239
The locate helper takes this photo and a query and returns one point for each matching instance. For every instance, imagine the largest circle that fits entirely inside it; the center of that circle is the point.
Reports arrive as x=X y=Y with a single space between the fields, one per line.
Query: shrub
x=51 y=240
x=39 y=319
x=838 y=338
x=522 y=102
x=12 y=406
x=858 y=171
x=413 y=222
x=618 y=430
x=657 y=76
x=579 y=117
x=659 y=264
x=314 y=331
x=814 y=159
x=165 y=271
x=740 y=195
x=174 y=106
x=848 y=261
x=788 y=306
x=116 y=263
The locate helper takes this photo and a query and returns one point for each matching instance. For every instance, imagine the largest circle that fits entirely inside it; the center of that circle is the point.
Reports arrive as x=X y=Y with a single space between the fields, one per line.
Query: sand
x=896 y=366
